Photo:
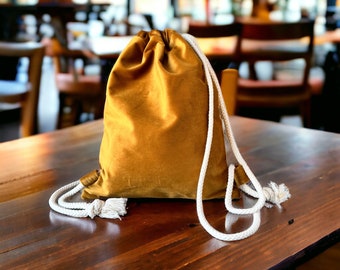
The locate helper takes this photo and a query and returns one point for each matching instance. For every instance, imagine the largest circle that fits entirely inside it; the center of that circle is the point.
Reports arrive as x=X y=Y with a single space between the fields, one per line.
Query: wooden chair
x=25 y=94
x=79 y=94
x=266 y=41
x=203 y=30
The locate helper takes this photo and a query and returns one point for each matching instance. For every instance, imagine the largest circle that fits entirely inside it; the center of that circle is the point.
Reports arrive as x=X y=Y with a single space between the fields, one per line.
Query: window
x=25 y=2
x=160 y=10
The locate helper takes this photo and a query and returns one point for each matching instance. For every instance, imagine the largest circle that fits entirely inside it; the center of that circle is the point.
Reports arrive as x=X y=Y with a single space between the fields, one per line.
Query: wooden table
x=165 y=234
x=107 y=47
x=110 y=47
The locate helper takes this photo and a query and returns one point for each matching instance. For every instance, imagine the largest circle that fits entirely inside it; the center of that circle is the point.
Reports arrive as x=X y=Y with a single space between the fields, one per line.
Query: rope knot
x=276 y=194
x=111 y=208
x=114 y=208
x=95 y=208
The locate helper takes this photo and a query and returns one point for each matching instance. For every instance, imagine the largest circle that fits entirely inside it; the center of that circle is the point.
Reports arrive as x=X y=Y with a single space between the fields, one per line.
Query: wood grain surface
x=166 y=234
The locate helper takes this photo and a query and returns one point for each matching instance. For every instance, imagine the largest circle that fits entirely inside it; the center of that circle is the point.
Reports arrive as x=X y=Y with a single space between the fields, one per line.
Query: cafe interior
x=70 y=31
x=74 y=44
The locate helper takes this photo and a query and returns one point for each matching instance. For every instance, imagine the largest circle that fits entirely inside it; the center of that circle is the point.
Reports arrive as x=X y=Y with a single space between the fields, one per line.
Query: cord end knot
x=276 y=194
x=111 y=208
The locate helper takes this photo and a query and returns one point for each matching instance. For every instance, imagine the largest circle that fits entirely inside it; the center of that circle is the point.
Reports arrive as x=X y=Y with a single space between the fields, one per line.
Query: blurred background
x=72 y=22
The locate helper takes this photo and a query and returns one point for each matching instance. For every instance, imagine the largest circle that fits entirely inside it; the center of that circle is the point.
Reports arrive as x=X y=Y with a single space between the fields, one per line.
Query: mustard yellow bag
x=165 y=134
x=155 y=124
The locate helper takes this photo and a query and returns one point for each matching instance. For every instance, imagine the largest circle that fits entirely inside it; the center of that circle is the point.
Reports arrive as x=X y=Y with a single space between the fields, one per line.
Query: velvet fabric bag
x=165 y=134
x=155 y=124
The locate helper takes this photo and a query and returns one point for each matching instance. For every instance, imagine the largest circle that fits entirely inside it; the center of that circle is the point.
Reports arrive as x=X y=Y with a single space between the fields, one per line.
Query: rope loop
x=257 y=192
x=60 y=202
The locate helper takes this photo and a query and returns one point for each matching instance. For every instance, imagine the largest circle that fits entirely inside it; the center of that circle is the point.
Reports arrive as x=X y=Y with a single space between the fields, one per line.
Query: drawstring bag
x=166 y=135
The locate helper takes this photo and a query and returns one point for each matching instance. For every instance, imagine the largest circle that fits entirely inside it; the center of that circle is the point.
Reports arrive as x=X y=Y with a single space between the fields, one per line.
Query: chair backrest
x=206 y=31
x=64 y=59
x=59 y=54
x=34 y=52
x=275 y=42
x=272 y=37
x=78 y=90
x=202 y=30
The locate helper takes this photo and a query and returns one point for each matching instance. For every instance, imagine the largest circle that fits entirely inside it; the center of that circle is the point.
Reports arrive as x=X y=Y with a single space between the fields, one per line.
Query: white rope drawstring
x=262 y=194
x=111 y=208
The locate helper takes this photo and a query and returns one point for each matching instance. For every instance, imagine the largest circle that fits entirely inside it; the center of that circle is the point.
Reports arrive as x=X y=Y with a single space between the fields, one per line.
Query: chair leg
x=60 y=112
x=305 y=110
x=69 y=111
